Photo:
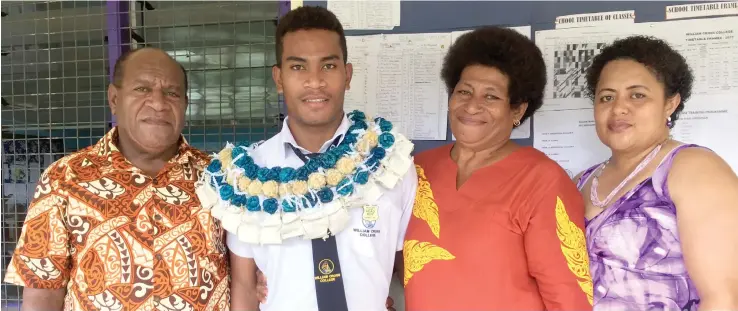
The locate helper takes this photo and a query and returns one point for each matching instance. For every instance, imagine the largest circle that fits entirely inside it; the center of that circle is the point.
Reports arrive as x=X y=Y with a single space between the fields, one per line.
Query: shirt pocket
x=373 y=227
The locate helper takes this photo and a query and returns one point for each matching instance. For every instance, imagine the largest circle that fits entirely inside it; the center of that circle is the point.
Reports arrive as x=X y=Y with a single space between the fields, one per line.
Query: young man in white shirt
x=339 y=254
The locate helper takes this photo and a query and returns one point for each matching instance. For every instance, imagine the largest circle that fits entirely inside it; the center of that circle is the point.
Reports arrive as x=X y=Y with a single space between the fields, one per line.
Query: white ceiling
x=56 y=69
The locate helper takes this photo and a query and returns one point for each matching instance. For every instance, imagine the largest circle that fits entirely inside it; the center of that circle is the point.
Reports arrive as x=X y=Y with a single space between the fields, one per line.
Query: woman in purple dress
x=642 y=255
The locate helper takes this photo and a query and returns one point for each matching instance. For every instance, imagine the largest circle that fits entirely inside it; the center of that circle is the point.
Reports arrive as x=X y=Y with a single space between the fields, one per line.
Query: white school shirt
x=367 y=254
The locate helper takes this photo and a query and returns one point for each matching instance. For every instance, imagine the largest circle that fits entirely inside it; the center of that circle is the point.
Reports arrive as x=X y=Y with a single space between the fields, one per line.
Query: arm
x=555 y=245
x=41 y=261
x=243 y=275
x=42 y=299
x=243 y=282
x=705 y=192
x=409 y=189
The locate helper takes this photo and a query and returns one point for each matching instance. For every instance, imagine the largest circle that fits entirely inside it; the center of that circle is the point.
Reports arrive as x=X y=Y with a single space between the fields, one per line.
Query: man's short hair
x=309 y=18
x=121 y=61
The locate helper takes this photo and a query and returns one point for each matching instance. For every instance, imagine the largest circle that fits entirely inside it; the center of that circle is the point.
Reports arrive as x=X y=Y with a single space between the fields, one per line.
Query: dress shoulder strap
x=660 y=175
x=585 y=175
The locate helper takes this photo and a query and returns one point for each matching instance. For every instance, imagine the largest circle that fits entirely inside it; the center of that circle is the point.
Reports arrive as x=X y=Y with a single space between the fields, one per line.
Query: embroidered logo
x=326 y=266
x=370 y=216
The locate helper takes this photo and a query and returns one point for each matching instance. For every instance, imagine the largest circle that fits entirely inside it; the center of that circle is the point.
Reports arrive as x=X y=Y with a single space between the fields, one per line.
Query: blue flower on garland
x=357 y=115
x=358 y=125
x=239 y=200
x=226 y=192
x=386 y=140
x=350 y=139
x=237 y=151
x=327 y=160
x=288 y=207
x=340 y=150
x=325 y=195
x=302 y=173
x=286 y=175
x=270 y=205
x=384 y=125
x=312 y=165
x=252 y=204
x=345 y=188
x=250 y=171
x=243 y=161
x=214 y=166
x=263 y=174
x=274 y=173
x=310 y=200
x=218 y=180
x=361 y=178
x=378 y=153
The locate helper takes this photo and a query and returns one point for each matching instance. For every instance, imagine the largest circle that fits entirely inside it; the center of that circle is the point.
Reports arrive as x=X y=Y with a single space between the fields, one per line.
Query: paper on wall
x=295 y=4
x=366 y=15
x=710 y=121
x=397 y=76
x=602 y=19
x=701 y=9
x=569 y=138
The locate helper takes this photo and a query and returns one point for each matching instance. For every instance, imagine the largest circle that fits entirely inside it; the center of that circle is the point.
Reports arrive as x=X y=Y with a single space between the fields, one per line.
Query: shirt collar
x=108 y=145
x=286 y=137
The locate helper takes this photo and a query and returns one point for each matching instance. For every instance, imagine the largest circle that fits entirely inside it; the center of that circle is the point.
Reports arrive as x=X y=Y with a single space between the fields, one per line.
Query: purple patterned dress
x=635 y=256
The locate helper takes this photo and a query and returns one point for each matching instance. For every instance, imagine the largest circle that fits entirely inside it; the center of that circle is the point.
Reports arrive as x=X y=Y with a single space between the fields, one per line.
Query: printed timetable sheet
x=398 y=77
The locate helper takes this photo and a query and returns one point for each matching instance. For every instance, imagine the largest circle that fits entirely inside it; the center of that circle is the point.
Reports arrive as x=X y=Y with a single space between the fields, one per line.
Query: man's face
x=150 y=102
x=313 y=77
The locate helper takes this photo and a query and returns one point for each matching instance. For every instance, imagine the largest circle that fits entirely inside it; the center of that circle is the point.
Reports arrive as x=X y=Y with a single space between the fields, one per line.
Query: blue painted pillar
x=118 y=31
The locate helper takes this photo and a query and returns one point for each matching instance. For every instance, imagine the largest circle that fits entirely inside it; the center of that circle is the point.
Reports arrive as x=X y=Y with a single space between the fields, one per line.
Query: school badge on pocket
x=370 y=216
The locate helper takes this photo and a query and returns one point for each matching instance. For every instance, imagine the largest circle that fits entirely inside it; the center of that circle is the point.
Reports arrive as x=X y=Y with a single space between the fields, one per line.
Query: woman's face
x=479 y=107
x=630 y=107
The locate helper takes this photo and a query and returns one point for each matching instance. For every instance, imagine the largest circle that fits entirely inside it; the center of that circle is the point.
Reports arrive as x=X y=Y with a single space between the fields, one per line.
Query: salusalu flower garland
x=282 y=195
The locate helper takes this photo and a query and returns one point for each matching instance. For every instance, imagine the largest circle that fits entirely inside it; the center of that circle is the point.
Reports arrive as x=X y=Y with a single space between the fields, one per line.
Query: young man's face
x=313 y=77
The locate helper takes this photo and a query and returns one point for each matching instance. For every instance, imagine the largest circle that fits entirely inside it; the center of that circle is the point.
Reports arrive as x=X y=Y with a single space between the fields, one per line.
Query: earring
x=669 y=124
x=516 y=123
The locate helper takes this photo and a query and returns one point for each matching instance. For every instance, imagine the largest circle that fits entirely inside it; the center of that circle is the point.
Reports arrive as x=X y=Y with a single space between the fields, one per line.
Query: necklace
x=595 y=198
x=264 y=205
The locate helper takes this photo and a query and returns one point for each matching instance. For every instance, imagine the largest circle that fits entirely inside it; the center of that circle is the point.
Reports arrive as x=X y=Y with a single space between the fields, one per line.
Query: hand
x=389 y=304
x=261 y=287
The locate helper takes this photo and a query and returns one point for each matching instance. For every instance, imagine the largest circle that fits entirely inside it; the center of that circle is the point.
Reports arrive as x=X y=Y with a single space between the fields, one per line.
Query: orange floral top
x=117 y=239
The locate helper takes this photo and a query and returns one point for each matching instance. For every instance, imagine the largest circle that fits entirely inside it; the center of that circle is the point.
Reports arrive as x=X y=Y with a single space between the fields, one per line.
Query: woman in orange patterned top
x=496 y=226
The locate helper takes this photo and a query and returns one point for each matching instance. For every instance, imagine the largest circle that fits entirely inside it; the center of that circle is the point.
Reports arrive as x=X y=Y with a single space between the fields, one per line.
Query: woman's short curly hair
x=669 y=67
x=516 y=56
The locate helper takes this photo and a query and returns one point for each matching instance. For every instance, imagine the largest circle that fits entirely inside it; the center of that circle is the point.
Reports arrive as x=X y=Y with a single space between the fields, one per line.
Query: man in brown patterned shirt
x=117 y=225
